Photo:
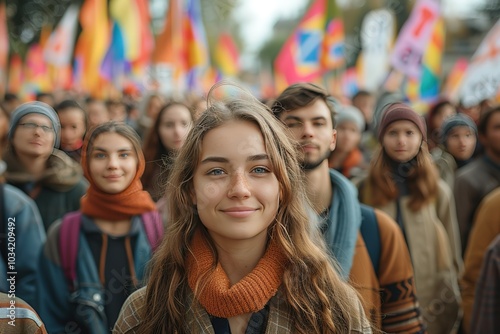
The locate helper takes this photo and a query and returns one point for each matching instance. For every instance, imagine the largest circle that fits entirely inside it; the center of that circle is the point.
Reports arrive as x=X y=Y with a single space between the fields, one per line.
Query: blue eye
x=124 y=155
x=99 y=155
x=216 y=171
x=260 y=170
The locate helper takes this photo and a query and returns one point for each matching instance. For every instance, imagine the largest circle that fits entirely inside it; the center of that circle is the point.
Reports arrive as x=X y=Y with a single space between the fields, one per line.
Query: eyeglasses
x=32 y=126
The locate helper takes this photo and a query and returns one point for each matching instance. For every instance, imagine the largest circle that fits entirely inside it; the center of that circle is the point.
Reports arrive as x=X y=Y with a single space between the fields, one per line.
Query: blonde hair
x=318 y=300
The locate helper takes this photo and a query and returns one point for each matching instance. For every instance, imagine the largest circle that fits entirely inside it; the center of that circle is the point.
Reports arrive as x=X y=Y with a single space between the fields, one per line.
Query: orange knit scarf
x=249 y=295
x=113 y=207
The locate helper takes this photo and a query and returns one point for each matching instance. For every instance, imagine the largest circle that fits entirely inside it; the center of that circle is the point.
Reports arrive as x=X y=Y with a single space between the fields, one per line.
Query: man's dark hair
x=303 y=94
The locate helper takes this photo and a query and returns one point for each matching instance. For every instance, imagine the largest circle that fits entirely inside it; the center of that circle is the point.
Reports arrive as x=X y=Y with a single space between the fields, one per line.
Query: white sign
x=482 y=78
x=377 y=36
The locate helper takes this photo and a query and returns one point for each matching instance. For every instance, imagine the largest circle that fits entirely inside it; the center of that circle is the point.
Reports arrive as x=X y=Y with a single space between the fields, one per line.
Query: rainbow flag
x=125 y=14
x=92 y=46
x=226 y=55
x=454 y=78
x=196 y=47
x=332 y=56
x=115 y=65
x=307 y=53
x=431 y=63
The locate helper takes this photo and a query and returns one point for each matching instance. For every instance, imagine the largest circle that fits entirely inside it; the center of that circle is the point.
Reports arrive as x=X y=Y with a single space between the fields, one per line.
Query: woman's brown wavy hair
x=155 y=153
x=380 y=186
x=319 y=301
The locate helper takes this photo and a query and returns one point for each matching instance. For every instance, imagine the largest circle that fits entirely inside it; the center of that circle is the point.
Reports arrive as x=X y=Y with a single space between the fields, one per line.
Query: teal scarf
x=344 y=222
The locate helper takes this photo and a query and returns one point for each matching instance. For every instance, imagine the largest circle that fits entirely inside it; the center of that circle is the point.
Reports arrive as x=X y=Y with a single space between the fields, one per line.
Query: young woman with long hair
x=111 y=237
x=165 y=138
x=403 y=181
x=239 y=252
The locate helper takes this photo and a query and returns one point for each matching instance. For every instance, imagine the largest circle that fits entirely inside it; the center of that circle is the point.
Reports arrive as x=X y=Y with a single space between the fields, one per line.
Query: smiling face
x=312 y=127
x=112 y=162
x=402 y=140
x=174 y=126
x=234 y=188
x=33 y=142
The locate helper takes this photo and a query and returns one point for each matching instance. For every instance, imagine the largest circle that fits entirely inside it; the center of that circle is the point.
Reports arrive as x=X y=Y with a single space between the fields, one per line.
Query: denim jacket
x=29 y=236
x=83 y=310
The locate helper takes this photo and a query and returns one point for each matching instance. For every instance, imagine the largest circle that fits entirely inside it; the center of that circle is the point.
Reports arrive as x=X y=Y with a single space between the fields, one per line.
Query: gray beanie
x=36 y=108
x=351 y=114
x=454 y=121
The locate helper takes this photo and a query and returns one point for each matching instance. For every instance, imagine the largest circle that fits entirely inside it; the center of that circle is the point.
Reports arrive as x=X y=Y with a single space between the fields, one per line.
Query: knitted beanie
x=386 y=99
x=350 y=114
x=36 y=108
x=453 y=121
x=401 y=112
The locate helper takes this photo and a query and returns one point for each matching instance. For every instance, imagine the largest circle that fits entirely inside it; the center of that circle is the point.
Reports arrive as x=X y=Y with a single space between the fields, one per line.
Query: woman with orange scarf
x=239 y=255
x=112 y=241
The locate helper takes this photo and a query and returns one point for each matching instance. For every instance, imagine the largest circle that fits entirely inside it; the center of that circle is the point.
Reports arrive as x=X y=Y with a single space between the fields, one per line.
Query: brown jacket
x=17 y=317
x=485 y=229
x=197 y=320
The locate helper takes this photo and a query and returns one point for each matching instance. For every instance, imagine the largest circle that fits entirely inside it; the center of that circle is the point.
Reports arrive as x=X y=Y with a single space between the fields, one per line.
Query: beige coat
x=434 y=243
x=446 y=165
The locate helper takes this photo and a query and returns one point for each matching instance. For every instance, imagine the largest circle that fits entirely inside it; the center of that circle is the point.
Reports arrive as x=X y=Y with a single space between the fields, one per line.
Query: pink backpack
x=69 y=236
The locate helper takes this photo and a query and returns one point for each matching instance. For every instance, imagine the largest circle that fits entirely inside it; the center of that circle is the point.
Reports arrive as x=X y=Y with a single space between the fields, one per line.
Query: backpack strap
x=371 y=235
x=68 y=245
x=153 y=226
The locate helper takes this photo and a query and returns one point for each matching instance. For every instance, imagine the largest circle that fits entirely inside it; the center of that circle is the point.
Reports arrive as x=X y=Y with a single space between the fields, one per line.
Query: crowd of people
x=226 y=214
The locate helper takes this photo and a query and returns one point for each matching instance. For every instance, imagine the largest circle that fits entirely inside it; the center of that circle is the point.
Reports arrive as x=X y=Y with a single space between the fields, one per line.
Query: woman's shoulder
x=130 y=318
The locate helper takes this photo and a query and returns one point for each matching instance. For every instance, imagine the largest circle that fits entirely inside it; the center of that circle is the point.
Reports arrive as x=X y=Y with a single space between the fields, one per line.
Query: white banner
x=377 y=36
x=482 y=78
x=59 y=47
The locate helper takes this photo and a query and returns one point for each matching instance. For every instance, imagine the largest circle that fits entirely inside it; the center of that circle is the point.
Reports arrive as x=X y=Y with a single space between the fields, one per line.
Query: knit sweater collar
x=216 y=294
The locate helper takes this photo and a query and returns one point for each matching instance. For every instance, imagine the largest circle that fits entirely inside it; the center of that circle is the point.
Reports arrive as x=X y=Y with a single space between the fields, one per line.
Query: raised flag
x=59 y=47
x=92 y=45
x=115 y=65
x=300 y=56
x=146 y=40
x=454 y=78
x=414 y=37
x=168 y=57
x=430 y=81
x=332 y=56
x=16 y=74
x=226 y=55
x=196 y=47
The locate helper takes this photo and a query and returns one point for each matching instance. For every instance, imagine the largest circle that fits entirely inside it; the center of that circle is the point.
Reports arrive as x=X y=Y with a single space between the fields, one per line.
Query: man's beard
x=311 y=165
